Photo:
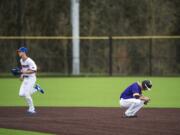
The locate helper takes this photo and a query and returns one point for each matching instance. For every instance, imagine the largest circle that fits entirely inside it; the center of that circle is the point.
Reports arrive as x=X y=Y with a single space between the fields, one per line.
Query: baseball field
x=86 y=106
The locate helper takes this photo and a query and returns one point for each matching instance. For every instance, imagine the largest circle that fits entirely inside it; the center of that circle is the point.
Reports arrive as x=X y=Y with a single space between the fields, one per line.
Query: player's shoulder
x=132 y=86
x=22 y=61
x=135 y=85
x=30 y=60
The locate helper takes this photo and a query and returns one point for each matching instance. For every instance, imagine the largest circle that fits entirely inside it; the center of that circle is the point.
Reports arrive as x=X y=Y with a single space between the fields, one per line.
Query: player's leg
x=22 y=91
x=133 y=105
x=28 y=87
x=29 y=101
x=38 y=88
x=33 y=91
x=125 y=103
x=30 y=91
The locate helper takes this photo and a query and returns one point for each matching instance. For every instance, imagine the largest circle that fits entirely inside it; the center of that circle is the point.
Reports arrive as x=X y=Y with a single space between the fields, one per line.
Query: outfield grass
x=93 y=91
x=4 y=131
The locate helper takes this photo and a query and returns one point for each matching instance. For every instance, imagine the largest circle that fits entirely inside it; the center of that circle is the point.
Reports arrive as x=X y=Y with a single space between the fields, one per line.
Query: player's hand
x=22 y=72
x=16 y=71
x=21 y=78
x=146 y=100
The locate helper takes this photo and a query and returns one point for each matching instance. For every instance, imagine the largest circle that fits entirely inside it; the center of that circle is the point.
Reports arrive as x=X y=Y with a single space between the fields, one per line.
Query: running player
x=18 y=61
x=28 y=77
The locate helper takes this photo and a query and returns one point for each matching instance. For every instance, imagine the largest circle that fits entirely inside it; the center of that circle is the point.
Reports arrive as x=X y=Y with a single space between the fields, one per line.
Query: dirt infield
x=92 y=121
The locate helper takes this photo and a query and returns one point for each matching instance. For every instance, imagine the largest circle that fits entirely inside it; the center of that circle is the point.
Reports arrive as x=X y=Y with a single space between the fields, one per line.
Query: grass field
x=4 y=131
x=93 y=91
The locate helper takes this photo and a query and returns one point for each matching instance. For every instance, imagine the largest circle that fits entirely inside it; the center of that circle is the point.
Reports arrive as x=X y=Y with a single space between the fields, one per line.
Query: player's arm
x=32 y=68
x=136 y=95
x=144 y=98
x=141 y=97
x=29 y=71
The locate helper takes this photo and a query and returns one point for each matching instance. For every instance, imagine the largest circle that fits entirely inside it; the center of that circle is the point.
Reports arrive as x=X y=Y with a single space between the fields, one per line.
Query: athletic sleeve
x=32 y=66
x=135 y=89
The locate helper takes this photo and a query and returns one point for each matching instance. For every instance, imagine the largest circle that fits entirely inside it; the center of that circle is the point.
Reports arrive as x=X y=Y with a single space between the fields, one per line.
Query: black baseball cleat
x=125 y=116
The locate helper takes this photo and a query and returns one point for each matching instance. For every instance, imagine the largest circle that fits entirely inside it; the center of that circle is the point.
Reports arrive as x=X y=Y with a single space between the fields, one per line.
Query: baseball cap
x=146 y=84
x=23 y=49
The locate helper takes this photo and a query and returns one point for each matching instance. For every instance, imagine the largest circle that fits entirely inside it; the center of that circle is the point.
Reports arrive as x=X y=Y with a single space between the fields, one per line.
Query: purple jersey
x=129 y=91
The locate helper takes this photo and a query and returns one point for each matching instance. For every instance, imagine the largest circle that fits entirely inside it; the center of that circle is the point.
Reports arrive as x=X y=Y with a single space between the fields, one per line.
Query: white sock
x=33 y=91
x=30 y=103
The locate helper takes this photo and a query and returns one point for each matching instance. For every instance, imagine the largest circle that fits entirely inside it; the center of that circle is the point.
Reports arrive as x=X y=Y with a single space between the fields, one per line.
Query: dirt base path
x=92 y=121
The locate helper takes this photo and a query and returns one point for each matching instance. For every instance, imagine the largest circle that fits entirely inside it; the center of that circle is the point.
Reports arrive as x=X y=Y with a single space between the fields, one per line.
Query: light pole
x=75 y=37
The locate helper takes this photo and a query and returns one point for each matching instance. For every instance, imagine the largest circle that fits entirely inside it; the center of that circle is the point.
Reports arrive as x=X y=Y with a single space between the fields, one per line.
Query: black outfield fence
x=113 y=56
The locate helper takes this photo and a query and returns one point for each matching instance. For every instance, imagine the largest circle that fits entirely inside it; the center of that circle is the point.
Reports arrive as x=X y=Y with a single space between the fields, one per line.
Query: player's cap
x=23 y=49
x=147 y=84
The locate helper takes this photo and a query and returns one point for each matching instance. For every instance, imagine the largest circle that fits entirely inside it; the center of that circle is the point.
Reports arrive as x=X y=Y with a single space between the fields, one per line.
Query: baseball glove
x=16 y=71
x=146 y=101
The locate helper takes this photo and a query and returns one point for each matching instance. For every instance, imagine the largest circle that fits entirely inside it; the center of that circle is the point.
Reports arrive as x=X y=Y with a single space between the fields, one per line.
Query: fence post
x=150 y=57
x=110 y=56
x=69 y=57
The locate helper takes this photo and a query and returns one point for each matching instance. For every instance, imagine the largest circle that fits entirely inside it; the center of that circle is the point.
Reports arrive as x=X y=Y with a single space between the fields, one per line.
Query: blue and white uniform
x=29 y=80
x=127 y=99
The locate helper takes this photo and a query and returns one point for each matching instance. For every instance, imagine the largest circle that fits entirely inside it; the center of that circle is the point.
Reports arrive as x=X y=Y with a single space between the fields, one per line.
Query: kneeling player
x=132 y=98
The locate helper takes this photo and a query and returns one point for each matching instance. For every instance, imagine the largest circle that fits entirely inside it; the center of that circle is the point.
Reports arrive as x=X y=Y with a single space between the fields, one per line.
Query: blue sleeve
x=135 y=89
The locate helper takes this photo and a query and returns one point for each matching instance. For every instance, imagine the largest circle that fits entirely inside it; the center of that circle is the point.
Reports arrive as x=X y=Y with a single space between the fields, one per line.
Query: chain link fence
x=116 y=57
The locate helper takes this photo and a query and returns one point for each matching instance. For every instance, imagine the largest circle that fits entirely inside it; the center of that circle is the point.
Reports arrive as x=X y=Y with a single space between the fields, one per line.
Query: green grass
x=4 y=131
x=95 y=91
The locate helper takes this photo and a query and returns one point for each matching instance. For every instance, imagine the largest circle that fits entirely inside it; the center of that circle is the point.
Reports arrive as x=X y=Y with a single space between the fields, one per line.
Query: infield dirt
x=92 y=121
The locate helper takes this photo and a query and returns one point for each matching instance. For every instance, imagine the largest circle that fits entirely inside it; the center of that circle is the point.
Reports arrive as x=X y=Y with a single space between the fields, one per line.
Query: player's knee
x=27 y=96
x=139 y=102
x=21 y=95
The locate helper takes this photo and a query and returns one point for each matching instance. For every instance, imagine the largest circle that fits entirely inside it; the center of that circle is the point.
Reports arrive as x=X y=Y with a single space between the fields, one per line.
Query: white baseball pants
x=26 y=90
x=133 y=105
